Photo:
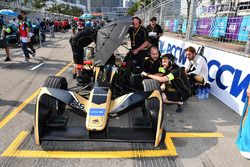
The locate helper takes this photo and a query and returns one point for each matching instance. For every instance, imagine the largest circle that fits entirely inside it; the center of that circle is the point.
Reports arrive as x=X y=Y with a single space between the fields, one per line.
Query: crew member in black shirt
x=154 y=32
x=78 y=41
x=139 y=41
x=153 y=63
x=175 y=85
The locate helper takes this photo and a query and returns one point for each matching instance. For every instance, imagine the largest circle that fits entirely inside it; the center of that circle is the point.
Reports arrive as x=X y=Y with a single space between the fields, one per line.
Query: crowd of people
x=21 y=31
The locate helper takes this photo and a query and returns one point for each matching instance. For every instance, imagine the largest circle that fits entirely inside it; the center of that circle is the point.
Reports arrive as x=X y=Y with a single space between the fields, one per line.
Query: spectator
x=24 y=31
x=1 y=22
x=154 y=32
x=80 y=25
x=30 y=34
x=139 y=41
x=243 y=140
x=73 y=25
x=3 y=42
x=179 y=30
x=14 y=22
x=196 y=68
x=175 y=85
x=88 y=23
x=153 y=63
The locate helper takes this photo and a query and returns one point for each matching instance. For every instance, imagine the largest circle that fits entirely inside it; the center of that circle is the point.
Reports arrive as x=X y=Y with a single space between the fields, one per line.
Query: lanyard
x=152 y=29
x=134 y=34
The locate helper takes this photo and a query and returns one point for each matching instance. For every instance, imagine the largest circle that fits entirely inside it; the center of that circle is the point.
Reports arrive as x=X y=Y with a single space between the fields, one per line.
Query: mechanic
x=80 y=40
x=153 y=63
x=139 y=41
x=196 y=68
x=154 y=32
x=175 y=85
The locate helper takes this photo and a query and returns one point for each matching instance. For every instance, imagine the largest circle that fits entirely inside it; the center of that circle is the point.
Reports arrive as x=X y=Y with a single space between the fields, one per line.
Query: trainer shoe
x=34 y=54
x=26 y=60
x=179 y=107
x=7 y=59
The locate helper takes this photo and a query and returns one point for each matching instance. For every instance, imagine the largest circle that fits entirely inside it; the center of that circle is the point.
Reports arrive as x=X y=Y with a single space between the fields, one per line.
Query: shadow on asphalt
x=198 y=116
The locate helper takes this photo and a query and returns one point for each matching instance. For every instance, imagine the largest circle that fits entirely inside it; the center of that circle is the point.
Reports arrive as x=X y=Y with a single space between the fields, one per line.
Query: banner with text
x=244 y=29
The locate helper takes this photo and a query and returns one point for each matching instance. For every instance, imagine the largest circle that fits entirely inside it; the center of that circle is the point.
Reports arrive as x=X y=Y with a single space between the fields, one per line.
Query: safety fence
x=33 y=14
x=225 y=26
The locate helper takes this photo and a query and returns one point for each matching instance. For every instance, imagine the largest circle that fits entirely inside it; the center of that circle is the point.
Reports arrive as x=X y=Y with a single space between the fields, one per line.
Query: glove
x=163 y=86
x=144 y=74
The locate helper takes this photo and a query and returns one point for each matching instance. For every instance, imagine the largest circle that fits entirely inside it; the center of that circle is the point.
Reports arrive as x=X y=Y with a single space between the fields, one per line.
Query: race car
x=101 y=100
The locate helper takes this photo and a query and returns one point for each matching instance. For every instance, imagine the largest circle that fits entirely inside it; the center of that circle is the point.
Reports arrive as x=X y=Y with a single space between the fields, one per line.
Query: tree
x=65 y=9
x=38 y=4
x=131 y=11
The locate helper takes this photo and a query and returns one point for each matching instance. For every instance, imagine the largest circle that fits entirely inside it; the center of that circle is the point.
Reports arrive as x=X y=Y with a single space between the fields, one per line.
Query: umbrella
x=8 y=12
x=109 y=38
x=86 y=16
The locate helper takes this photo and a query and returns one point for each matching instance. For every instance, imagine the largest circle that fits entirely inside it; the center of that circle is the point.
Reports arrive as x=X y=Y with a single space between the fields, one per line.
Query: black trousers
x=30 y=46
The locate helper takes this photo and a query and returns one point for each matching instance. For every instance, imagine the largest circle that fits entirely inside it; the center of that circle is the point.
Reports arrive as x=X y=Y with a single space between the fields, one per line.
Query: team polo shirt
x=158 y=30
x=152 y=67
x=137 y=36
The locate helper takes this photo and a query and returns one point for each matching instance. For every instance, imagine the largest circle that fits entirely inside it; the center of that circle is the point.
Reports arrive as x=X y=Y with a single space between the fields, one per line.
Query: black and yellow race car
x=104 y=98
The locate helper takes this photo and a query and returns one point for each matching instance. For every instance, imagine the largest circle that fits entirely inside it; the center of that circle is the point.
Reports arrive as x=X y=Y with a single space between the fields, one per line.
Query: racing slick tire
x=56 y=106
x=152 y=105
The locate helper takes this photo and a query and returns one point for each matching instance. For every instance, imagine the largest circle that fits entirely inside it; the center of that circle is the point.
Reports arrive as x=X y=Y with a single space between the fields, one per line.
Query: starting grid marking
x=13 y=151
x=14 y=112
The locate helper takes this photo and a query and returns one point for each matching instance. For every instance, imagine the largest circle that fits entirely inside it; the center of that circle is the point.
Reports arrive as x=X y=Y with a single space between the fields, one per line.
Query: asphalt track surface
x=203 y=135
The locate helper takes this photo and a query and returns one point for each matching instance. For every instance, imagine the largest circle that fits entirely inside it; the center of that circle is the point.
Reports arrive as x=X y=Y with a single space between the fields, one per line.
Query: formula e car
x=103 y=99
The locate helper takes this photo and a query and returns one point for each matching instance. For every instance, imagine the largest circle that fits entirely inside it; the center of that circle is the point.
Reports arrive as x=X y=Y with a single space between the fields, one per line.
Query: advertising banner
x=171 y=25
x=220 y=27
x=233 y=27
x=229 y=77
x=204 y=26
x=184 y=26
x=176 y=23
x=244 y=29
x=166 y=25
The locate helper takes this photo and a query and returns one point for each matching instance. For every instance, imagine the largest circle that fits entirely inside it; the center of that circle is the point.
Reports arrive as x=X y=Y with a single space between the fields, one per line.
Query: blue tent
x=86 y=16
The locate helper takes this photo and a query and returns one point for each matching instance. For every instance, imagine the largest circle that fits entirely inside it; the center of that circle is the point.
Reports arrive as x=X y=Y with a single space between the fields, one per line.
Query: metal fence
x=33 y=13
x=223 y=25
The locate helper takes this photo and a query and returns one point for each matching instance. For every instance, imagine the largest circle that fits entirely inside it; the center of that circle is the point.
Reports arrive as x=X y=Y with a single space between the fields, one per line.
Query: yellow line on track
x=15 y=144
x=13 y=151
x=62 y=70
x=193 y=135
x=27 y=101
